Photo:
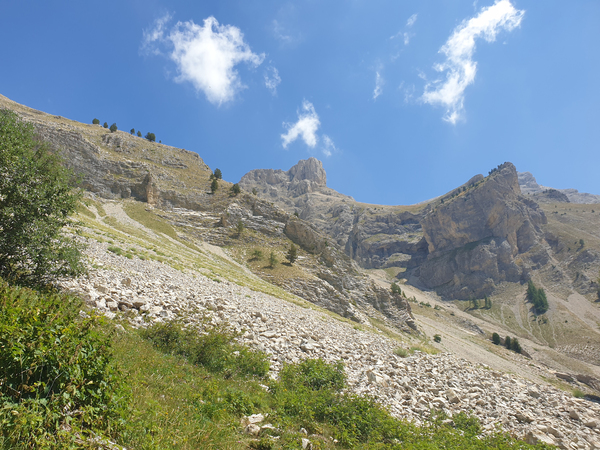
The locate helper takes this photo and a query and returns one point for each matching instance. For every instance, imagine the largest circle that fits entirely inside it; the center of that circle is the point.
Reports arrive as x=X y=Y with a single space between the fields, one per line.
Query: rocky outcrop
x=473 y=239
x=529 y=186
x=306 y=176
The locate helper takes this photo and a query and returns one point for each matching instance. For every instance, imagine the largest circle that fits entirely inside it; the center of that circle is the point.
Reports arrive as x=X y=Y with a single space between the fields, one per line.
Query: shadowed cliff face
x=474 y=237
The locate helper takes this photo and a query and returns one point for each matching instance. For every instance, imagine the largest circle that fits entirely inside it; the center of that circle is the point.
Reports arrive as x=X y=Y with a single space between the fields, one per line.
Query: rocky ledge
x=411 y=387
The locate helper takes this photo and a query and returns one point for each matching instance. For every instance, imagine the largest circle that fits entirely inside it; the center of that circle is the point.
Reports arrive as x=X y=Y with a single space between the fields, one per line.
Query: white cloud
x=305 y=128
x=206 y=55
x=272 y=79
x=459 y=48
x=328 y=146
x=280 y=33
x=411 y=20
x=155 y=34
x=406 y=35
x=378 y=85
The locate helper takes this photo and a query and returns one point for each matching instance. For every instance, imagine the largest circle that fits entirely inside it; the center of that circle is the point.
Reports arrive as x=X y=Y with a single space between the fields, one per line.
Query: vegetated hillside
x=482 y=238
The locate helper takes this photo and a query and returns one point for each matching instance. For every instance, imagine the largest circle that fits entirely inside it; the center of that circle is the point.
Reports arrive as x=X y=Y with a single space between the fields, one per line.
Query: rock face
x=529 y=186
x=473 y=239
x=306 y=176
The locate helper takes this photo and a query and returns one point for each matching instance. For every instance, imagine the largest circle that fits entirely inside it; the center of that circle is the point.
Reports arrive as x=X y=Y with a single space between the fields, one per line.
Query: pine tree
x=396 y=289
x=113 y=128
x=132 y=131
x=214 y=186
x=272 y=259
x=96 y=122
x=139 y=133
x=496 y=338
x=218 y=175
x=507 y=342
x=105 y=125
x=292 y=254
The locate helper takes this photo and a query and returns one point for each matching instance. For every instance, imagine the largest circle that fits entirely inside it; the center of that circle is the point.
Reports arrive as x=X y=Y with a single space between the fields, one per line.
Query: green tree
x=132 y=131
x=151 y=137
x=272 y=260
x=437 y=338
x=214 y=186
x=105 y=125
x=496 y=338
x=257 y=254
x=239 y=227
x=235 y=189
x=396 y=289
x=488 y=302
x=474 y=304
x=96 y=122
x=218 y=175
x=537 y=296
x=507 y=342
x=36 y=201
x=254 y=191
x=113 y=128
x=515 y=346
x=292 y=254
x=139 y=133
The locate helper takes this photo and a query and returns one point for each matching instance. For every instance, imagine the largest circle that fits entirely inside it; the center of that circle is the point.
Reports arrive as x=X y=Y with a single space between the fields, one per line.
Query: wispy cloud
x=406 y=34
x=305 y=128
x=272 y=79
x=329 y=147
x=459 y=48
x=411 y=20
x=378 y=85
x=205 y=56
x=280 y=33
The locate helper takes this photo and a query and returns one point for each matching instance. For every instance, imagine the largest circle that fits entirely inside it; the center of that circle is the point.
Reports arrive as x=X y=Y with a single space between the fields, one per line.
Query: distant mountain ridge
x=529 y=185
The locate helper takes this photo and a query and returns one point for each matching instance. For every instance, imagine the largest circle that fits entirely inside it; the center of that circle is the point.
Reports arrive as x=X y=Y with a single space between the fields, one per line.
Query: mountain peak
x=310 y=169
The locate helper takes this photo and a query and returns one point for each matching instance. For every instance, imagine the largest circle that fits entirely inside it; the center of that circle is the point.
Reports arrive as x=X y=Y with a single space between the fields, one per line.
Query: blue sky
x=401 y=100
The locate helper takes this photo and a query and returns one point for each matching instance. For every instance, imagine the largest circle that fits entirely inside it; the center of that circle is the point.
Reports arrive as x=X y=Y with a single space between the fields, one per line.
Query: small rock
x=252 y=429
x=451 y=396
x=591 y=423
x=522 y=417
x=533 y=437
x=306 y=444
x=574 y=414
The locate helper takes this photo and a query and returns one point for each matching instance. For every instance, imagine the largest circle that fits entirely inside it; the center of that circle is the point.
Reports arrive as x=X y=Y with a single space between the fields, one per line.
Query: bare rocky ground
x=144 y=291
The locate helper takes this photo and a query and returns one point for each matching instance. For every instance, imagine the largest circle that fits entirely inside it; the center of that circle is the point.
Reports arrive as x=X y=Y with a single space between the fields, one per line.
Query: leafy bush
x=396 y=289
x=235 y=189
x=36 y=201
x=257 y=254
x=113 y=128
x=151 y=137
x=437 y=338
x=217 y=173
x=210 y=346
x=55 y=371
x=96 y=122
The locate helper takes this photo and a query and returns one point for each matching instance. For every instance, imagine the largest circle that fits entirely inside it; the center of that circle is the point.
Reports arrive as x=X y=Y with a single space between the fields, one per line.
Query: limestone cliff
x=474 y=237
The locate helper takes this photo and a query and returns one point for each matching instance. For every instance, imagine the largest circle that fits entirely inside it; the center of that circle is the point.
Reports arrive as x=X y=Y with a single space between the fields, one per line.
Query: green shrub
x=272 y=260
x=235 y=189
x=151 y=137
x=218 y=174
x=214 y=185
x=396 y=289
x=257 y=254
x=55 y=370
x=437 y=338
x=113 y=128
x=105 y=125
x=96 y=122
x=139 y=133
x=211 y=346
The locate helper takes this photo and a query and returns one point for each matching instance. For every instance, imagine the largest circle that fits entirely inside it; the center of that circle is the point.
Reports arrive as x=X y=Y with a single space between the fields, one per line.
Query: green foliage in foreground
x=36 y=200
x=58 y=383
x=187 y=388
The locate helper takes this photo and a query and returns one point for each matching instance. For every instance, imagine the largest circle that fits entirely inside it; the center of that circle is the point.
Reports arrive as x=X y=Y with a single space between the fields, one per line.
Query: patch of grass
x=137 y=211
